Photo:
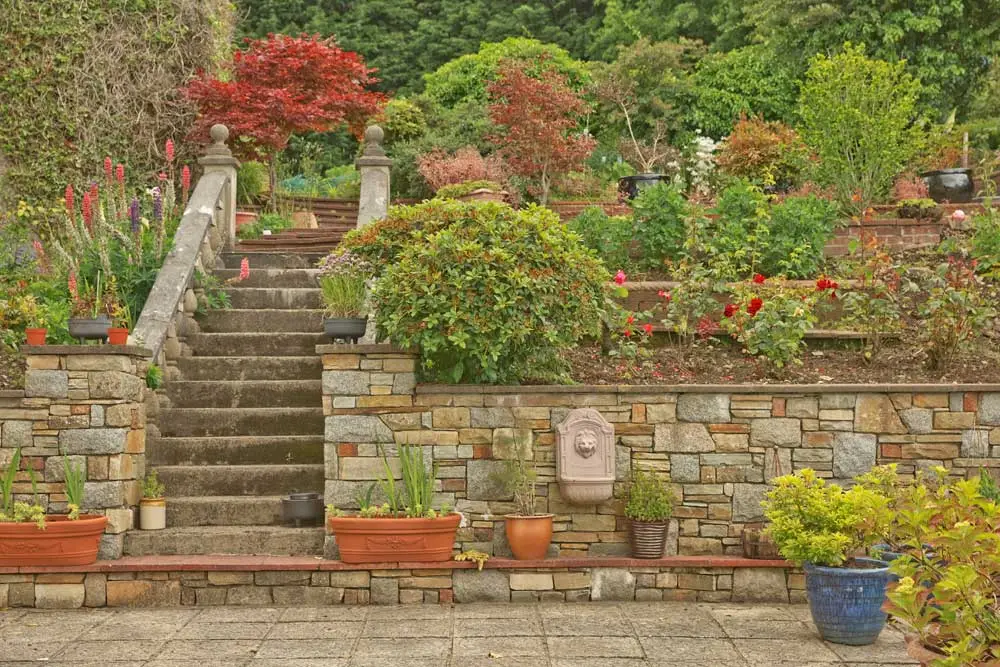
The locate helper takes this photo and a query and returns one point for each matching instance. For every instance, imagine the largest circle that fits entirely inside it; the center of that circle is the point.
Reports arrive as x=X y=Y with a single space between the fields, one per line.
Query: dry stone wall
x=89 y=403
x=720 y=446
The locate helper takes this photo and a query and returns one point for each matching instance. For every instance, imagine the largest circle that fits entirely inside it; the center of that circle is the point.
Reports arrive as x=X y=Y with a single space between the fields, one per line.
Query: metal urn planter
x=302 y=508
x=345 y=328
x=90 y=328
x=950 y=185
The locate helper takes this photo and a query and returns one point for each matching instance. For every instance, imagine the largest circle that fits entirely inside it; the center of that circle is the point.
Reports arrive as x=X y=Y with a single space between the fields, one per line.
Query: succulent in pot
x=821 y=526
x=152 y=505
x=405 y=528
x=343 y=281
x=30 y=537
x=649 y=507
x=529 y=532
x=948 y=593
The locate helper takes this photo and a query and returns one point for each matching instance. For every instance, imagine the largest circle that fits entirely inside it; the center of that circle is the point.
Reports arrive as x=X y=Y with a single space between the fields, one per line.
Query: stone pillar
x=365 y=389
x=374 y=167
x=218 y=158
x=86 y=402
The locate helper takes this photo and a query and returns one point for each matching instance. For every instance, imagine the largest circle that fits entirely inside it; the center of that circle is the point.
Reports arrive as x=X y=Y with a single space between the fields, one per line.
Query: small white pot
x=152 y=514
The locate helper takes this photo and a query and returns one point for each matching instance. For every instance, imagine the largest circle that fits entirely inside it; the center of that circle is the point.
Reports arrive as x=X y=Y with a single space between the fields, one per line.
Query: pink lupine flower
x=95 y=193
x=620 y=277
x=88 y=212
x=71 y=283
x=108 y=169
x=120 y=173
x=70 y=203
x=186 y=178
x=244 y=269
x=170 y=150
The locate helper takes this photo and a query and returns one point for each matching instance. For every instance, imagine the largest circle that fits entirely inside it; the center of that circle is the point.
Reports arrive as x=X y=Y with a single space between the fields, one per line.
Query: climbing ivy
x=82 y=79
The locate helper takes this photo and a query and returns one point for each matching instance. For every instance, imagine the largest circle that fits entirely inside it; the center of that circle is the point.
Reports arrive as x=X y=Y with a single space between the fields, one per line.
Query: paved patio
x=507 y=635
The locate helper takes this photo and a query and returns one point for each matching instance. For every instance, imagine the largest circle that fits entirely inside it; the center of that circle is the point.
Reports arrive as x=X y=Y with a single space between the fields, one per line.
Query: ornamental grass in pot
x=528 y=532
x=29 y=536
x=948 y=593
x=343 y=281
x=403 y=529
x=649 y=507
x=821 y=526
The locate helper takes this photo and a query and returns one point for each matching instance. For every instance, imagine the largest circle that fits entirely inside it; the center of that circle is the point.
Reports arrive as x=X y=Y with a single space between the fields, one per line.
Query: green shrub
x=812 y=521
x=662 y=218
x=608 y=236
x=731 y=244
x=649 y=497
x=487 y=293
x=252 y=181
x=797 y=232
x=986 y=241
x=273 y=222
x=858 y=116
x=956 y=311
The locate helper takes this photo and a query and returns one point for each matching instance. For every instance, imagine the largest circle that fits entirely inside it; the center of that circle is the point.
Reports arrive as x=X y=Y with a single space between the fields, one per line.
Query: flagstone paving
x=504 y=635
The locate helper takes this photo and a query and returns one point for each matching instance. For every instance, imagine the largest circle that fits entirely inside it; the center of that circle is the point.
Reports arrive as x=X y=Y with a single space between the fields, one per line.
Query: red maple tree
x=538 y=116
x=280 y=86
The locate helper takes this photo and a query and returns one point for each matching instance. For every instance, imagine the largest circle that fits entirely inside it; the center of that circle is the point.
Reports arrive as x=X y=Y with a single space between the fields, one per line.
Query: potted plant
x=650 y=504
x=945 y=181
x=30 y=537
x=405 y=528
x=123 y=317
x=821 y=526
x=251 y=182
x=528 y=532
x=343 y=280
x=948 y=594
x=88 y=310
x=152 y=505
x=35 y=336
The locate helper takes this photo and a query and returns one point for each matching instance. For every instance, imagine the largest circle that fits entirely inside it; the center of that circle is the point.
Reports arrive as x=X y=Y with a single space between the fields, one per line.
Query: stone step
x=230 y=480
x=275 y=298
x=272 y=260
x=198 y=422
x=250 y=368
x=270 y=277
x=247 y=321
x=245 y=540
x=236 y=450
x=242 y=344
x=224 y=511
x=246 y=394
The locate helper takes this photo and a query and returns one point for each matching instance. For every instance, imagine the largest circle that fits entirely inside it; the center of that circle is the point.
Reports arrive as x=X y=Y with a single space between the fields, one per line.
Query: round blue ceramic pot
x=846 y=603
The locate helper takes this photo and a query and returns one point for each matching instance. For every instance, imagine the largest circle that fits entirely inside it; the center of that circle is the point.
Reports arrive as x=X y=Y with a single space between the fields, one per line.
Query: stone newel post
x=374 y=167
x=218 y=158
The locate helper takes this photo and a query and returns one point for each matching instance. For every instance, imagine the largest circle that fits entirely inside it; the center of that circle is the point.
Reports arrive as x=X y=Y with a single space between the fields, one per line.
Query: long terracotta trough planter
x=384 y=540
x=61 y=542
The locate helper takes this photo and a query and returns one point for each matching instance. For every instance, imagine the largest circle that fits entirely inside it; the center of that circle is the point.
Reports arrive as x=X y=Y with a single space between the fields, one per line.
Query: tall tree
x=282 y=86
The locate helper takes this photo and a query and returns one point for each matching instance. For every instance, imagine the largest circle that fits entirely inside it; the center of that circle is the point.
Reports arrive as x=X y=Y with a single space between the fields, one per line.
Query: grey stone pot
x=299 y=508
x=90 y=328
x=345 y=328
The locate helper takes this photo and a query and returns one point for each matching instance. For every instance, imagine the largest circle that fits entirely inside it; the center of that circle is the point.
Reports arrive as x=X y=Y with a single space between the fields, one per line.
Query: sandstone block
x=115 y=384
x=531 y=581
x=853 y=454
x=450 y=418
x=350 y=579
x=918 y=420
x=954 y=420
x=484 y=480
x=703 y=408
x=59 y=596
x=93 y=441
x=95 y=590
x=346 y=383
x=661 y=413
x=507 y=442
x=357 y=428
x=100 y=362
x=682 y=438
x=230 y=578
x=805 y=408
x=144 y=593
x=492 y=418
x=753 y=584
x=775 y=432
x=571 y=580
x=612 y=584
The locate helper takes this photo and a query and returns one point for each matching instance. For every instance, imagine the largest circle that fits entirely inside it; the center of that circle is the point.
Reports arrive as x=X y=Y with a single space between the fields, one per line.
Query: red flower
x=759 y=278
x=648 y=328
x=730 y=310
x=630 y=319
x=120 y=173
x=186 y=177
x=705 y=327
x=664 y=295
x=170 y=150
x=70 y=203
x=108 y=169
x=88 y=213
x=628 y=333
x=756 y=304
x=620 y=277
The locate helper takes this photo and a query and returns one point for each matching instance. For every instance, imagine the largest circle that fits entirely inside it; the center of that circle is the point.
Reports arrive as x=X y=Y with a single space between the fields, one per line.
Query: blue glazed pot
x=846 y=603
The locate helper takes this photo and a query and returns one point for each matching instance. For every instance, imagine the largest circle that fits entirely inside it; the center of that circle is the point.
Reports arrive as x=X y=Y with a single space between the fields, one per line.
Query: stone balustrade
x=720 y=445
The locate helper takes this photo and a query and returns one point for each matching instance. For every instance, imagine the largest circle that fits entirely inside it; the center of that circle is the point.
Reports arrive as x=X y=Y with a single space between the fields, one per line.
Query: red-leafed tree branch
x=280 y=86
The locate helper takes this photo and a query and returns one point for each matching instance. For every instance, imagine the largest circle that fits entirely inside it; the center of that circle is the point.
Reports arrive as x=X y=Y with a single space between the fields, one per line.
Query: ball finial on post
x=219 y=133
x=374 y=135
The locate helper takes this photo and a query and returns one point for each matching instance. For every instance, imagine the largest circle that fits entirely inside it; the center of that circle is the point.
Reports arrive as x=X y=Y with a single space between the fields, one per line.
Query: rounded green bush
x=488 y=294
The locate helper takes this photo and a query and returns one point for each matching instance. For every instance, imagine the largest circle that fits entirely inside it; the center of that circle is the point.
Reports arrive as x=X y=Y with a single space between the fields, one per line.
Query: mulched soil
x=721 y=362
x=11 y=369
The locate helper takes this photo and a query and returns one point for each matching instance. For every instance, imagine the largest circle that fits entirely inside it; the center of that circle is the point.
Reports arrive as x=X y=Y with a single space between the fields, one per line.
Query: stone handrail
x=206 y=228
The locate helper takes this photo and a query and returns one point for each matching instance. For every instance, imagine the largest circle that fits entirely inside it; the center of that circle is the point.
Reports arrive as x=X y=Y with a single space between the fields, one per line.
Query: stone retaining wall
x=89 y=403
x=450 y=582
x=719 y=445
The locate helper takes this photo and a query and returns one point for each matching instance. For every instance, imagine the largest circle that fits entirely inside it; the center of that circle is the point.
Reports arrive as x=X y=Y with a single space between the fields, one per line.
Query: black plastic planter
x=345 y=328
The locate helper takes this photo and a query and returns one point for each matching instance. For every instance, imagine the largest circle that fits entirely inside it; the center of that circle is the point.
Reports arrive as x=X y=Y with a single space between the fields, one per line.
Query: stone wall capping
x=702 y=388
x=360 y=348
x=11 y=393
x=84 y=350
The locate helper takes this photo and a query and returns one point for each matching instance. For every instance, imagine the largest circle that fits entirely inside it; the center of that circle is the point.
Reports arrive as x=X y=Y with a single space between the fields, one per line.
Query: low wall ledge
x=362 y=348
x=52 y=350
x=11 y=393
x=762 y=388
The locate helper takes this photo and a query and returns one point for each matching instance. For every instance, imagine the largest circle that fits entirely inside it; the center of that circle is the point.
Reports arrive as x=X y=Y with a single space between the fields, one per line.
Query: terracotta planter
x=244 y=218
x=35 y=336
x=63 y=542
x=927 y=656
x=394 y=540
x=117 y=336
x=152 y=514
x=529 y=536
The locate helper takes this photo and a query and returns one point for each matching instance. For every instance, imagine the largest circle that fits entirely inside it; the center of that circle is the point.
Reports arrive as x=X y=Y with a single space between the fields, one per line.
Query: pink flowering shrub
x=440 y=169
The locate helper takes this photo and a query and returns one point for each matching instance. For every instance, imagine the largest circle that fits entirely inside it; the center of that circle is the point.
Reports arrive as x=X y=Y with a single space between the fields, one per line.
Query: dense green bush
x=381 y=242
x=490 y=294
x=731 y=243
x=608 y=236
x=662 y=217
x=797 y=232
x=986 y=241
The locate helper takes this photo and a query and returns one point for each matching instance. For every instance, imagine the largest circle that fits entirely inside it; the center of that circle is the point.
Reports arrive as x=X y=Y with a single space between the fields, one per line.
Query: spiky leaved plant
x=74 y=476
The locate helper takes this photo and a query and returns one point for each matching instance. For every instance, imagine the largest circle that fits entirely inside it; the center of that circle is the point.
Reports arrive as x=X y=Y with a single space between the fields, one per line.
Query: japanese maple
x=537 y=117
x=281 y=86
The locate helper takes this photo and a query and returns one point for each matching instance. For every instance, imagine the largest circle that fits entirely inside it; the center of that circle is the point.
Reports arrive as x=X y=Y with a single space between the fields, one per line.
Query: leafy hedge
x=84 y=79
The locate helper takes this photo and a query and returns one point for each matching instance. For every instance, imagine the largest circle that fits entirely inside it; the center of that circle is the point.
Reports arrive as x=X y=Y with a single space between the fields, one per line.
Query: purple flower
x=157 y=205
x=133 y=214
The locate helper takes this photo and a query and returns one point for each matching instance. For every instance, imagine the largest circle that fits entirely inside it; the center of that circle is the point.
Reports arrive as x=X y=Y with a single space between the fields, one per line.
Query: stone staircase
x=244 y=424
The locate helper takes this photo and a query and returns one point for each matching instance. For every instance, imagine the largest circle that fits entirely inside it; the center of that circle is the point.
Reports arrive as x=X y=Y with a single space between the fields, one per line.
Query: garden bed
x=722 y=362
x=11 y=369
